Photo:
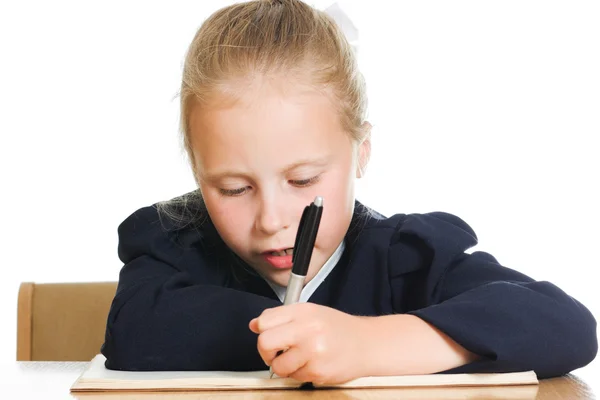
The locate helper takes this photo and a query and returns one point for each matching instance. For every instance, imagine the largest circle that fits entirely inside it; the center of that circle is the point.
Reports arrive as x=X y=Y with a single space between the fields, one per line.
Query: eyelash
x=305 y=182
x=233 y=192
x=299 y=183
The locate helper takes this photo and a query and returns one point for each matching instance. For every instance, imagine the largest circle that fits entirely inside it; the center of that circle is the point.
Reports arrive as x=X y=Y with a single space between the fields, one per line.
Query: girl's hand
x=322 y=345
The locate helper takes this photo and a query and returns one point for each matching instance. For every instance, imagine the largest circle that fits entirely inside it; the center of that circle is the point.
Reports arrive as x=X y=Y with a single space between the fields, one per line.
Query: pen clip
x=299 y=233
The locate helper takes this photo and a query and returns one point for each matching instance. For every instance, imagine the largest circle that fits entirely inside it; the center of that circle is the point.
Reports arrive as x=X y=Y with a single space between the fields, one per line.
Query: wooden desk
x=52 y=380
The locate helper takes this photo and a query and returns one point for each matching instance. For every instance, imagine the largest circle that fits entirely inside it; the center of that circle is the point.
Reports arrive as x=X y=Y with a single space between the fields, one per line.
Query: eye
x=305 y=182
x=234 y=192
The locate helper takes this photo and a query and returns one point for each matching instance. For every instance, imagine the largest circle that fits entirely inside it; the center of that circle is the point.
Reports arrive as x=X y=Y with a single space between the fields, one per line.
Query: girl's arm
x=510 y=321
x=162 y=318
x=452 y=312
x=421 y=349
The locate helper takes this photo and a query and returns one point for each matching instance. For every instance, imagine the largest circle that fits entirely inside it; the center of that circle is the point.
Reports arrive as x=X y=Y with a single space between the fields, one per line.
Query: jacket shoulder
x=421 y=241
x=427 y=226
x=437 y=226
x=163 y=233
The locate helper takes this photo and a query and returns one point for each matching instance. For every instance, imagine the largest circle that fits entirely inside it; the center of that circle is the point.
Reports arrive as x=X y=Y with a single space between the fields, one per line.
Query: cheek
x=339 y=204
x=228 y=217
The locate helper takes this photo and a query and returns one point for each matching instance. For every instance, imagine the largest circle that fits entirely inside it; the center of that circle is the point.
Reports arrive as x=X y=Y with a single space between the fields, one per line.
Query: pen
x=303 y=248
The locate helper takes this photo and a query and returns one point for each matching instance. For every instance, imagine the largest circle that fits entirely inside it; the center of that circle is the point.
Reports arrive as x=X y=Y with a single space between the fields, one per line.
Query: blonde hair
x=269 y=38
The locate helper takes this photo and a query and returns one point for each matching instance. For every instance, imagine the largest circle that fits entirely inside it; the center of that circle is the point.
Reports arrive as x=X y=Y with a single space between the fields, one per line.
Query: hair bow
x=345 y=23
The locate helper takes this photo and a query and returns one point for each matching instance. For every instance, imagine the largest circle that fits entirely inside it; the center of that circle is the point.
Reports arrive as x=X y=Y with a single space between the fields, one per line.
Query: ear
x=364 y=150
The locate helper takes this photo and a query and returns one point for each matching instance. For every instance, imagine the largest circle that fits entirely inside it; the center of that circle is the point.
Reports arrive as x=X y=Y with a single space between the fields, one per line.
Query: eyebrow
x=317 y=162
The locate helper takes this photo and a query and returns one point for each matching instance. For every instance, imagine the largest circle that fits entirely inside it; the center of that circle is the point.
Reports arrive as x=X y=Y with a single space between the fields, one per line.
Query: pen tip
x=318 y=201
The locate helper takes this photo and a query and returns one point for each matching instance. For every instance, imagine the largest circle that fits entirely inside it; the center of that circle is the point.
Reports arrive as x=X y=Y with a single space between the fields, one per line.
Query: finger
x=253 y=325
x=306 y=373
x=273 y=317
x=289 y=362
x=281 y=337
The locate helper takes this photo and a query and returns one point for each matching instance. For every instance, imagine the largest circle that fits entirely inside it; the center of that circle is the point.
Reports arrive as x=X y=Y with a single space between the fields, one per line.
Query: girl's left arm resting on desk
x=404 y=344
x=512 y=322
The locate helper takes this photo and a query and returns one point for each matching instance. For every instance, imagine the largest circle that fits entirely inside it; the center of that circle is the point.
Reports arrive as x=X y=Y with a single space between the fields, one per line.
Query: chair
x=62 y=321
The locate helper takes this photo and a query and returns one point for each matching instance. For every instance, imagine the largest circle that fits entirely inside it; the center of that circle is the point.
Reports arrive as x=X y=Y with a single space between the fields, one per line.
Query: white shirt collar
x=314 y=283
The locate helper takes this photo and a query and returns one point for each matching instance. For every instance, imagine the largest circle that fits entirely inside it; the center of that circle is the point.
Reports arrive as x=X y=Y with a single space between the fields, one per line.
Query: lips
x=279 y=259
x=281 y=253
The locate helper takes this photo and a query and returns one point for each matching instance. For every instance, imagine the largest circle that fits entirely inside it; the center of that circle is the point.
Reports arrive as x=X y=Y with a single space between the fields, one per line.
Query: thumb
x=253 y=325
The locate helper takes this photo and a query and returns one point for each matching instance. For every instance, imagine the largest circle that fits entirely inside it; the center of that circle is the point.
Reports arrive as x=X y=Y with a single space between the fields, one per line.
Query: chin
x=279 y=277
x=281 y=280
x=282 y=283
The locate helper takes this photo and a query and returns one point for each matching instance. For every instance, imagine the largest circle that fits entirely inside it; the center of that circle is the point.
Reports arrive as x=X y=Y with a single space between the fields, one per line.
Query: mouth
x=280 y=253
x=279 y=259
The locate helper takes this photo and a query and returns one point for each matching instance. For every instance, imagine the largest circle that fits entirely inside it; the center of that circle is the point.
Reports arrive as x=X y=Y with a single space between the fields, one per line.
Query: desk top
x=52 y=380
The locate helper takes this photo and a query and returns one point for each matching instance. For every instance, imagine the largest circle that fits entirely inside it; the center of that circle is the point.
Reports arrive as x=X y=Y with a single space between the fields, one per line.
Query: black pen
x=303 y=248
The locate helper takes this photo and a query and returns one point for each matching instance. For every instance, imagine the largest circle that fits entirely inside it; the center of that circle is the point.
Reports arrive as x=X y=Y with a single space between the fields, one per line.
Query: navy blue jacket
x=184 y=300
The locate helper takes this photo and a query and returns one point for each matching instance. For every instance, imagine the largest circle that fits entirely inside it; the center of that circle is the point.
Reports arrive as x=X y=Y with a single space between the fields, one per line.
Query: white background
x=489 y=110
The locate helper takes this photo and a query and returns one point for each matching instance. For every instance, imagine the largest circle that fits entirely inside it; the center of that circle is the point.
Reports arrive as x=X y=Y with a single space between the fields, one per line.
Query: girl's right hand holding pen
x=323 y=345
x=327 y=346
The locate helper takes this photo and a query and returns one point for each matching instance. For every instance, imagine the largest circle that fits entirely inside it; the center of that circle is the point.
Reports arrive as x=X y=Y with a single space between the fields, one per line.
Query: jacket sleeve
x=512 y=321
x=163 y=318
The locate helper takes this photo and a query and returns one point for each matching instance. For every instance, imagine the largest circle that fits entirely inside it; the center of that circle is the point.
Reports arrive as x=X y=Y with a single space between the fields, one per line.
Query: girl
x=273 y=114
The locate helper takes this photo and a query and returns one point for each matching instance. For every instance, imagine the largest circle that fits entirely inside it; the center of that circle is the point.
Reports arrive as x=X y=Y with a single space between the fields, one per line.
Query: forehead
x=267 y=127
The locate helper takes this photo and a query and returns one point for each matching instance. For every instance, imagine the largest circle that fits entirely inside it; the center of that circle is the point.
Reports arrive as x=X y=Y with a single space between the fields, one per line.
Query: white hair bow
x=345 y=24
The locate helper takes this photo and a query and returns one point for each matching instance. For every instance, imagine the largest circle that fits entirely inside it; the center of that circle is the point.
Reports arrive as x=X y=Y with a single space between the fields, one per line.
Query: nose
x=271 y=217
